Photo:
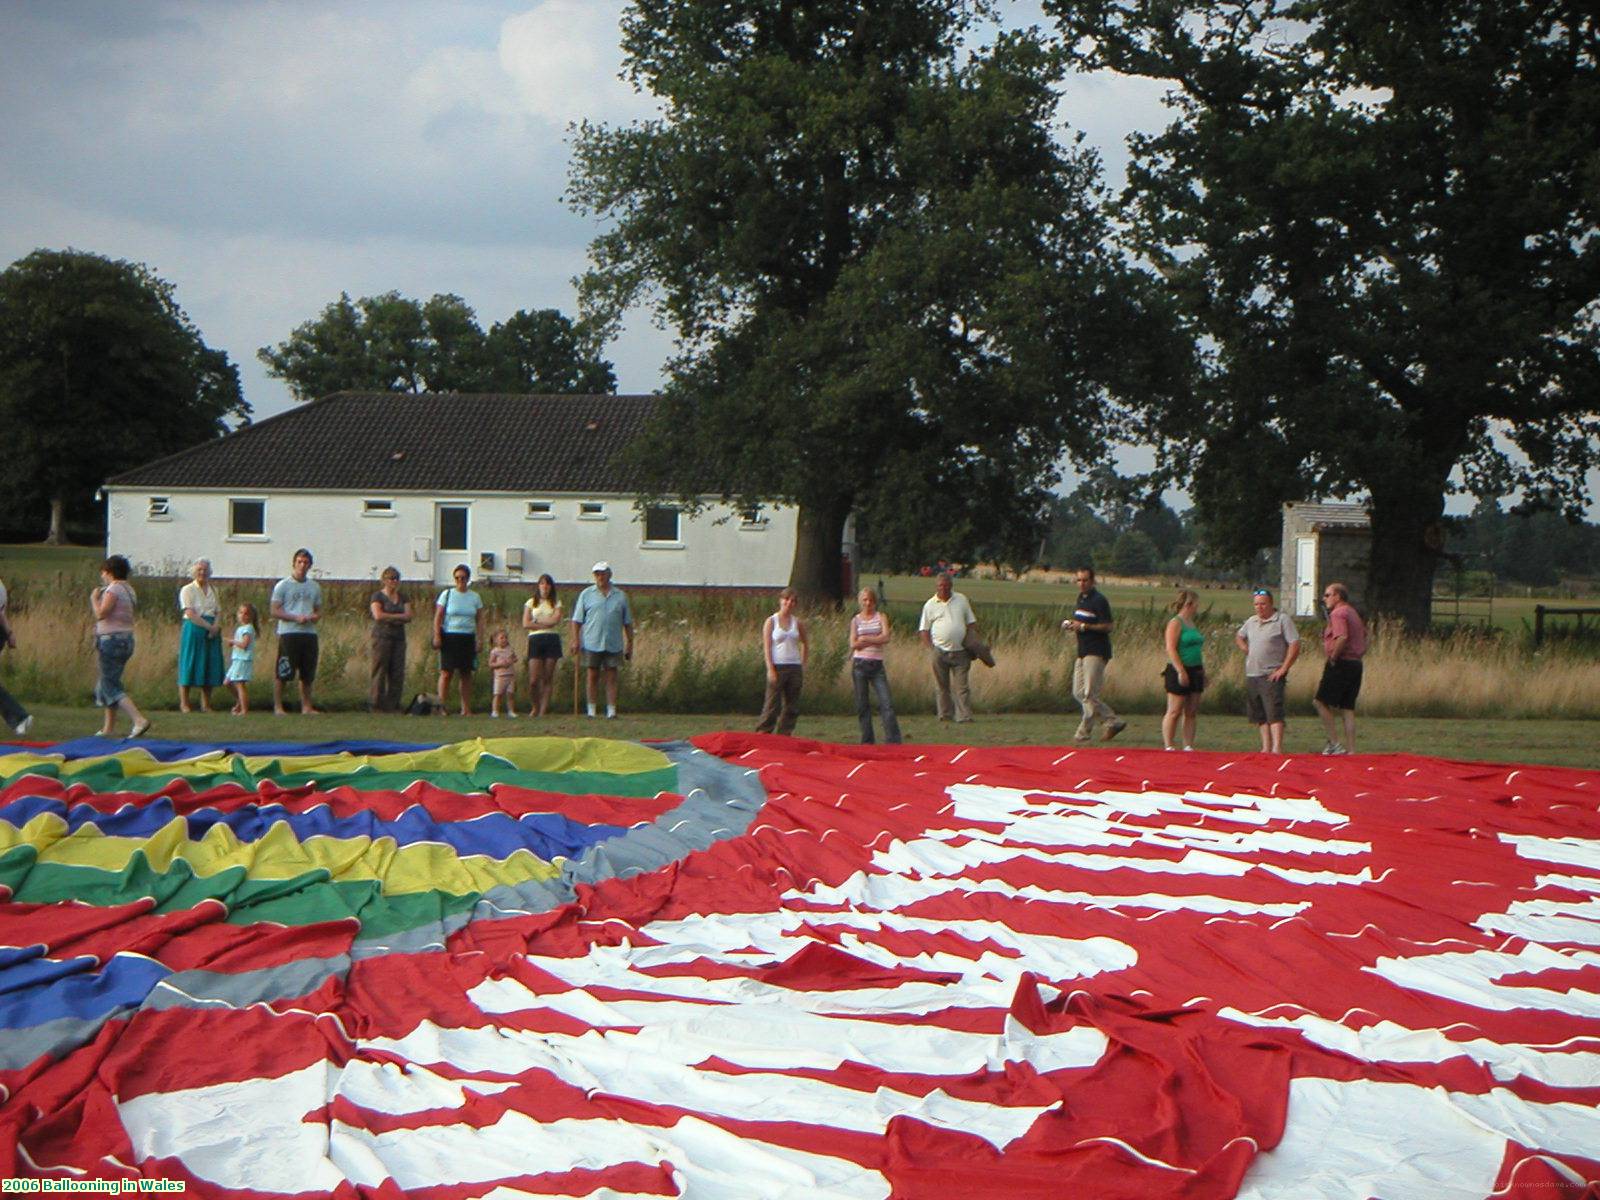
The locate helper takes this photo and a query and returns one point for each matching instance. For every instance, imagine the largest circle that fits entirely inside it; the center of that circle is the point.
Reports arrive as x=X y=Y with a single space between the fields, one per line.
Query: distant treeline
x=1538 y=549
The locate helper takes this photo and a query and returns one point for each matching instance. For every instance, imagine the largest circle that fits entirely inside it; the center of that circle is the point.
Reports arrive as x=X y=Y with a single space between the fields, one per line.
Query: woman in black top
x=391 y=611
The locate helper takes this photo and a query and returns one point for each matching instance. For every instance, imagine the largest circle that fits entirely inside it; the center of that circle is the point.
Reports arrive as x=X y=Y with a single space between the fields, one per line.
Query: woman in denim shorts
x=113 y=603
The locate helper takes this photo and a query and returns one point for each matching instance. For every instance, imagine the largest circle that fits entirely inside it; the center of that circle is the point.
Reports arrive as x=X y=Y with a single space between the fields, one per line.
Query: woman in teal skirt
x=200 y=647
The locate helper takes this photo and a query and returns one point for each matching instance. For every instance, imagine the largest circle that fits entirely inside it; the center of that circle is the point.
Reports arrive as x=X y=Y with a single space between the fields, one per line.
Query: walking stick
x=576 y=657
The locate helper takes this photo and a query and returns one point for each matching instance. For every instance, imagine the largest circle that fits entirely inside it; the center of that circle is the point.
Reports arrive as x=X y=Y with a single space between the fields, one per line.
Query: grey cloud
x=171 y=122
x=266 y=156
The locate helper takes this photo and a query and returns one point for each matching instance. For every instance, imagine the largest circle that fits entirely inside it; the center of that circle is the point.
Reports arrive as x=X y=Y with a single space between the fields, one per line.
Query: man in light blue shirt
x=296 y=604
x=602 y=628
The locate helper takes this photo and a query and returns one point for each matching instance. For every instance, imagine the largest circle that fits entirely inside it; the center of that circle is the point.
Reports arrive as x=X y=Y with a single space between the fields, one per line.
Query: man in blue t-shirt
x=602 y=628
x=1091 y=621
x=296 y=605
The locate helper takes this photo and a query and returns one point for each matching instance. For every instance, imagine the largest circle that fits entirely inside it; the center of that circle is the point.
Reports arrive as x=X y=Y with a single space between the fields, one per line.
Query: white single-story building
x=514 y=486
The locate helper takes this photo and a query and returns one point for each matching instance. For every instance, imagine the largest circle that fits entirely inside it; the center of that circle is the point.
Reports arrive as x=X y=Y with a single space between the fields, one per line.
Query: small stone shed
x=1323 y=543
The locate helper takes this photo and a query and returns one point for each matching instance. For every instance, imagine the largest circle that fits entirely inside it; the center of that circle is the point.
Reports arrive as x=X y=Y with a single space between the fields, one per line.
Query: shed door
x=1305 y=577
x=455 y=536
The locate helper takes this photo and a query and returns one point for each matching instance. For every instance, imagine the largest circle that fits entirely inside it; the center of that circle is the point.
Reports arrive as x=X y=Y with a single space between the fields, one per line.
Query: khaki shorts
x=1263 y=699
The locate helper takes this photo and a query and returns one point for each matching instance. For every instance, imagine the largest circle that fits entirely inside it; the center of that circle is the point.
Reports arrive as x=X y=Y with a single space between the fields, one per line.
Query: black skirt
x=1197 y=681
x=458 y=652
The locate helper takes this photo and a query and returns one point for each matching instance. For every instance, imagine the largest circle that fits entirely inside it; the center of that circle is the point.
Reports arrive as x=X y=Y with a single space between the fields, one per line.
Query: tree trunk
x=1407 y=537
x=58 y=532
x=815 y=574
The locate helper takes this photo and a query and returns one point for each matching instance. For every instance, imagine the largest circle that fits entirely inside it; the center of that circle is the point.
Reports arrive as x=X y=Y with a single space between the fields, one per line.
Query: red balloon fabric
x=917 y=972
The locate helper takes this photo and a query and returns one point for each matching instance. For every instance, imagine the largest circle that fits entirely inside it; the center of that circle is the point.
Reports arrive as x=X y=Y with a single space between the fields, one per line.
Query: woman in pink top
x=869 y=634
x=113 y=603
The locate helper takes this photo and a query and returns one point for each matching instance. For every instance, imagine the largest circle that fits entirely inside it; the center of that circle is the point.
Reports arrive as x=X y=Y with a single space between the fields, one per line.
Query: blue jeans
x=114 y=650
x=868 y=673
x=12 y=713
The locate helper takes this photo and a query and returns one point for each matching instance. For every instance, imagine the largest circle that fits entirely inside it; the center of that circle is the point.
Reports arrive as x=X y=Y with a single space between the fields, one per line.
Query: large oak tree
x=885 y=269
x=1382 y=221
x=100 y=371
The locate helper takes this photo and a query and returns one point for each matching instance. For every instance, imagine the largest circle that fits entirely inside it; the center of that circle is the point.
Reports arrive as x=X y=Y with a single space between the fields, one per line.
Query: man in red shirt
x=1344 y=642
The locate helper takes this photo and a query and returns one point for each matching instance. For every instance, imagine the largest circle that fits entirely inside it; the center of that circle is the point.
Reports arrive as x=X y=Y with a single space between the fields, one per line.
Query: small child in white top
x=503 y=666
x=242 y=664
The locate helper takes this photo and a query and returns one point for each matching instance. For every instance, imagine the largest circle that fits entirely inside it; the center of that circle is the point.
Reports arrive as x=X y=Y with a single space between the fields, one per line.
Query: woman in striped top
x=869 y=634
x=113 y=603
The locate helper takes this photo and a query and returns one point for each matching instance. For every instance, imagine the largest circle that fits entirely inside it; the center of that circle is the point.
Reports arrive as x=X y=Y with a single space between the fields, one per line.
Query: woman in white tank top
x=784 y=646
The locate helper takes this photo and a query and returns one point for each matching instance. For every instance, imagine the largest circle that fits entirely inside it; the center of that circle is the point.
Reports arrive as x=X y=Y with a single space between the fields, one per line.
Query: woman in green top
x=1185 y=677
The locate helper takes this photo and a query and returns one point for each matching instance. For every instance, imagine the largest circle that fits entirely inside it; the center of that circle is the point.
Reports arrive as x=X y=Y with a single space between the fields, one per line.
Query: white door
x=453 y=530
x=1305 y=577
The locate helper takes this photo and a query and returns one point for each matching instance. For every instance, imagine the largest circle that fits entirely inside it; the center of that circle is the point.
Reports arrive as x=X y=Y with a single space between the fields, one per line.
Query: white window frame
x=591 y=510
x=540 y=510
x=750 y=518
x=247 y=537
x=438 y=526
x=377 y=507
x=160 y=509
x=673 y=543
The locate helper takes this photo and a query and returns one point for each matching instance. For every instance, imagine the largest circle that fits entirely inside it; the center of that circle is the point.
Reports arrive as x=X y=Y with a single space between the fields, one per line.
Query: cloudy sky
x=264 y=156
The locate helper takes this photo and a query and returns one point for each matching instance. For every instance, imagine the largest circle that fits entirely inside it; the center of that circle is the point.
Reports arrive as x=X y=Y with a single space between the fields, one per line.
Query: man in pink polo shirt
x=1344 y=641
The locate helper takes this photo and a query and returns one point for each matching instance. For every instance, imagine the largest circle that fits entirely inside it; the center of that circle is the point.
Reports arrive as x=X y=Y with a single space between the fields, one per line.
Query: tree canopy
x=392 y=343
x=100 y=371
x=1382 y=225
x=888 y=275
x=1527 y=546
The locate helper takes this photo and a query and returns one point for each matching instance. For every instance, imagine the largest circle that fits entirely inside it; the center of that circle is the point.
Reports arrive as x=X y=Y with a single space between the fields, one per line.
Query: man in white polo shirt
x=947 y=624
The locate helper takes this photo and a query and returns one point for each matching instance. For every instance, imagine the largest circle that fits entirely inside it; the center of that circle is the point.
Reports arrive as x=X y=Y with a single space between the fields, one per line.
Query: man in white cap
x=602 y=628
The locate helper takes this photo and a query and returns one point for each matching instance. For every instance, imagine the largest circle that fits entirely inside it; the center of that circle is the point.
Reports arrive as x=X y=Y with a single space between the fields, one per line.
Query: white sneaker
x=1189 y=748
x=591 y=710
x=1334 y=748
x=611 y=714
x=25 y=725
x=494 y=716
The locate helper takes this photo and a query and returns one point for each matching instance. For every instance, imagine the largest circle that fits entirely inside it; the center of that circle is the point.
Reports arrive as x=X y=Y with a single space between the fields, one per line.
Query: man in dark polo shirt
x=1091 y=621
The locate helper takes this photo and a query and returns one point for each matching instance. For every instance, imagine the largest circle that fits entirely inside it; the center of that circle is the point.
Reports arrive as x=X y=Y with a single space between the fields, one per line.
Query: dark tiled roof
x=1335 y=516
x=381 y=441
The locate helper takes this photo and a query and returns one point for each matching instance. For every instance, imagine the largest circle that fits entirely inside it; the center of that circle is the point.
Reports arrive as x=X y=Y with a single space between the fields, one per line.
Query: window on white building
x=541 y=510
x=750 y=517
x=661 y=524
x=591 y=510
x=377 y=508
x=454 y=527
x=160 y=508
x=247 y=518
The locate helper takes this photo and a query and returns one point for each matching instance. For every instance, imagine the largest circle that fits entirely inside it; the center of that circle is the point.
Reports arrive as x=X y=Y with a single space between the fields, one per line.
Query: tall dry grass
x=699 y=655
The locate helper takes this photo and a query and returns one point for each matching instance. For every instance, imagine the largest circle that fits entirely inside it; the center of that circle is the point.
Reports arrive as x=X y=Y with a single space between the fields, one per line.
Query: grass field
x=699 y=654
x=1512 y=611
x=1562 y=743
